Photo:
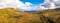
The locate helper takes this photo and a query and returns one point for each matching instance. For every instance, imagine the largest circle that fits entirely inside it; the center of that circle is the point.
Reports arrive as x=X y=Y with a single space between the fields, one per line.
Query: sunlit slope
x=10 y=15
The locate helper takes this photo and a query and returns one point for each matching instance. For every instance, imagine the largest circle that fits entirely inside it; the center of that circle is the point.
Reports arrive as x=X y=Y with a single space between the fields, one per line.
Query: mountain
x=11 y=15
x=50 y=15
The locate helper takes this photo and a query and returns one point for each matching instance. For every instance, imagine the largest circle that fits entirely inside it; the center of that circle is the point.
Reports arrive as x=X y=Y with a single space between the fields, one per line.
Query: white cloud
x=51 y=4
x=11 y=3
x=28 y=3
x=15 y=4
x=48 y=4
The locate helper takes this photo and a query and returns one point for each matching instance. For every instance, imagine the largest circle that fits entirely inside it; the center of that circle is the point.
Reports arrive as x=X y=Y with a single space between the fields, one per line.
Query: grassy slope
x=10 y=15
x=52 y=16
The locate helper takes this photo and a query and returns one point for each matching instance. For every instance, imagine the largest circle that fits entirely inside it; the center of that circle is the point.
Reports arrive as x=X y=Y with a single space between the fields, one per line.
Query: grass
x=10 y=15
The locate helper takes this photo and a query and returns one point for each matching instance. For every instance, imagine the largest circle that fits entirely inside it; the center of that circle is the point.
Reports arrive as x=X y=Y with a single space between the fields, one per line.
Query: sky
x=29 y=5
x=34 y=2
